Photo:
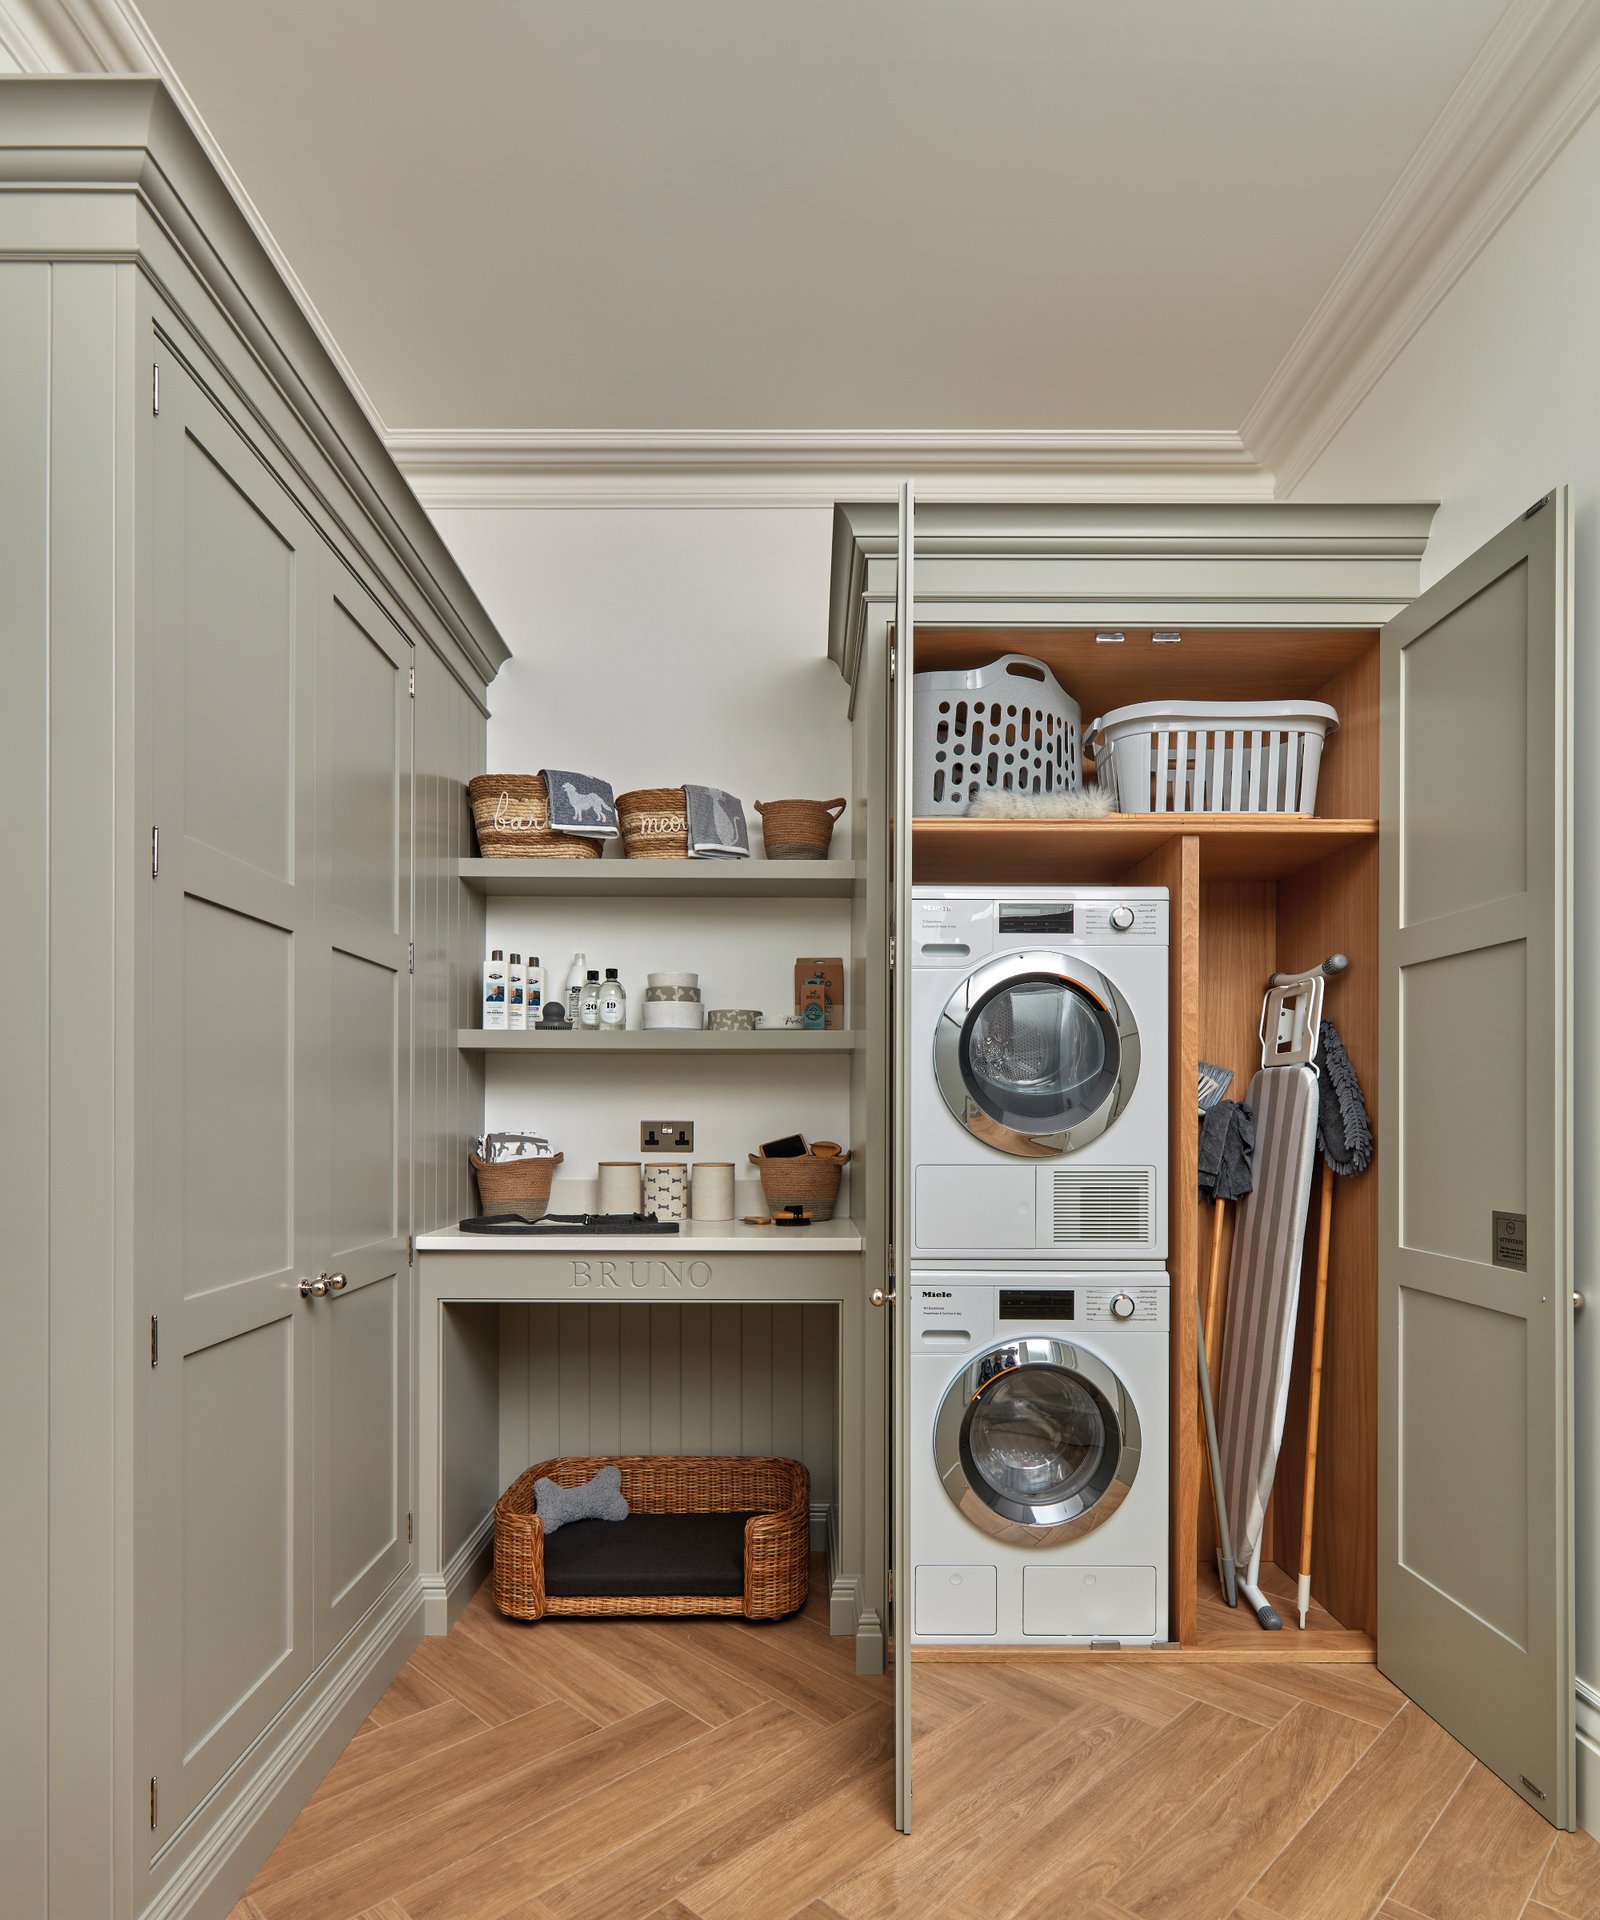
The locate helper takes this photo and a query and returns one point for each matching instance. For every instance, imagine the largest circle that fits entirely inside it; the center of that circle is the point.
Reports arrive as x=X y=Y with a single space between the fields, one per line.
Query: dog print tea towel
x=580 y=804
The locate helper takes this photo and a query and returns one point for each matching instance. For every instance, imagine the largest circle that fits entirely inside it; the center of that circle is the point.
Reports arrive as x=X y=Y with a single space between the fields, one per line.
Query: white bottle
x=613 y=1004
x=533 y=989
x=516 y=1006
x=589 y=1003
x=494 y=991
x=575 y=986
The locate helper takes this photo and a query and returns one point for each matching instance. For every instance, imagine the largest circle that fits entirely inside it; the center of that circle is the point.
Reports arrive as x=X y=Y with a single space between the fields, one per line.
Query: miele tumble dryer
x=1039 y=1073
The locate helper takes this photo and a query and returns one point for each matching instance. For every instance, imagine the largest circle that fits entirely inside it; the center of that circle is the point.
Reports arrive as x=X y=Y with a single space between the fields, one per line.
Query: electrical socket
x=666 y=1136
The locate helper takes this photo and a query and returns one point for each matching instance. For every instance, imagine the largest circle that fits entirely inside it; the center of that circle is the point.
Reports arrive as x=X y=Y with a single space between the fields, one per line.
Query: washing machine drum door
x=1036 y=1053
x=1037 y=1442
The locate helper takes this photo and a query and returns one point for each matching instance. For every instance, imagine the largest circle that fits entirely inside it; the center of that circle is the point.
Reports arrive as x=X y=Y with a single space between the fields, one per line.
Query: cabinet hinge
x=413 y=683
x=892 y=952
x=154 y=1802
x=411 y=1249
x=411 y=956
x=891 y=1583
x=1525 y=1780
x=155 y=853
x=894 y=665
x=155 y=1341
x=155 y=409
x=408 y=1529
x=1537 y=507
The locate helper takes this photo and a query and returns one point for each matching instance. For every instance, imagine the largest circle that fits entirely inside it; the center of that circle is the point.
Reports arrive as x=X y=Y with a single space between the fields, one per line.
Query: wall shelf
x=1232 y=846
x=786 y=1040
x=666 y=879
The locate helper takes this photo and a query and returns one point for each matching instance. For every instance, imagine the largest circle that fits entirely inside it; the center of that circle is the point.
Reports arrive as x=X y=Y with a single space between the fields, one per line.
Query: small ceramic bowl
x=672 y=980
x=733 y=1020
x=655 y=1014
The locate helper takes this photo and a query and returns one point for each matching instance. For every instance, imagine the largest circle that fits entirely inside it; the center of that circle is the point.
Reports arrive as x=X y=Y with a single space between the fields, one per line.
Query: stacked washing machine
x=1037 y=1285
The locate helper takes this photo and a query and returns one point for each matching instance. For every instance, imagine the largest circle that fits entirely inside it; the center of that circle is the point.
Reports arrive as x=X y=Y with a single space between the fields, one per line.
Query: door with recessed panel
x=361 y=1302
x=234 y=1116
x=1475 y=1604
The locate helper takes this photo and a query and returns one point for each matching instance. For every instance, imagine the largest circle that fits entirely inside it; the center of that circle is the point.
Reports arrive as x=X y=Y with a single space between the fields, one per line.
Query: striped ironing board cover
x=1264 y=1296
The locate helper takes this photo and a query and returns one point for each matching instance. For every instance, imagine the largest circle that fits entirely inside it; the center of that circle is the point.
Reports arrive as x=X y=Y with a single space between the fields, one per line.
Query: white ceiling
x=830 y=214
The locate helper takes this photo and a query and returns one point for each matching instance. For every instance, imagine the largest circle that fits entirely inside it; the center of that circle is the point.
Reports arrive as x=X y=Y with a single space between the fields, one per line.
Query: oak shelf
x=1232 y=846
x=785 y=1040
x=754 y=879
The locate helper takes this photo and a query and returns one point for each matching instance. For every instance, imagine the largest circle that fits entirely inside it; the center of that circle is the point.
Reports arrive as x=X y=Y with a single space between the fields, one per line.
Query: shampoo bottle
x=575 y=987
x=516 y=1005
x=494 y=990
x=613 y=1004
x=533 y=989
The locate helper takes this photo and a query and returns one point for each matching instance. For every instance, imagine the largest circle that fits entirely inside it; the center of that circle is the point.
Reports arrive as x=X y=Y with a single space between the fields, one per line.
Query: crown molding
x=1534 y=82
x=111 y=36
x=499 y=468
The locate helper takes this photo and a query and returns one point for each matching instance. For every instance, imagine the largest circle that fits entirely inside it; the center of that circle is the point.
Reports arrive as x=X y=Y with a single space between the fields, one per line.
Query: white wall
x=1494 y=401
x=652 y=648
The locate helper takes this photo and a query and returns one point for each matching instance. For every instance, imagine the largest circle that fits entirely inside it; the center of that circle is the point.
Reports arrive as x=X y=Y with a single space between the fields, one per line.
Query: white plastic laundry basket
x=1213 y=756
x=1007 y=727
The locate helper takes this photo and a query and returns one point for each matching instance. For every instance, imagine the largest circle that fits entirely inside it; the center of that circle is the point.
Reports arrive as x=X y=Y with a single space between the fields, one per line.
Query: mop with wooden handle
x=1344 y=1133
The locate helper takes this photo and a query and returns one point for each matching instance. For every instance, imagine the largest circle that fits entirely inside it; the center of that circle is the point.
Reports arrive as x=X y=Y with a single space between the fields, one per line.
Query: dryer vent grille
x=1094 y=1208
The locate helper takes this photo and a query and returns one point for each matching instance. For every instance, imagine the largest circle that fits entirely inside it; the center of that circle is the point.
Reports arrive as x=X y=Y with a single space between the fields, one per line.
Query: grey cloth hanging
x=1344 y=1129
x=1264 y=1295
x=1227 y=1150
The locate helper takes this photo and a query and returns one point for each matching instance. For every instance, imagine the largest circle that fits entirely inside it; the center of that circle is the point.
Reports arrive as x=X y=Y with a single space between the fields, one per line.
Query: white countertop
x=694 y=1236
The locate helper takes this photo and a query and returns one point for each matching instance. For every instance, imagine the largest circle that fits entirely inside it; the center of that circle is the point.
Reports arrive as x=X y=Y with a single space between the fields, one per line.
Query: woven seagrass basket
x=798 y=829
x=810 y=1180
x=777 y=1539
x=511 y=813
x=654 y=823
x=515 y=1186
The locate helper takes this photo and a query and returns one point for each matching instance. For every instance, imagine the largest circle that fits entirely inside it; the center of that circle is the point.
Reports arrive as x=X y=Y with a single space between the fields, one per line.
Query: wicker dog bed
x=773 y=1496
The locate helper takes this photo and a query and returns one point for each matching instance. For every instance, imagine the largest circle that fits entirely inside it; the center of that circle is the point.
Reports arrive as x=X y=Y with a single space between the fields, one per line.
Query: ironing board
x=1263 y=1298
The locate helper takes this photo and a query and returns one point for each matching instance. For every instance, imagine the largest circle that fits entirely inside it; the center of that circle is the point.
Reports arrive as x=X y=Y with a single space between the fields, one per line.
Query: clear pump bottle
x=613 y=1004
x=589 y=1003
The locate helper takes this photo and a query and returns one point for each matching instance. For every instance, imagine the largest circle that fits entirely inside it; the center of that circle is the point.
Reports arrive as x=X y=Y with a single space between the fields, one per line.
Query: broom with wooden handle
x=1344 y=1133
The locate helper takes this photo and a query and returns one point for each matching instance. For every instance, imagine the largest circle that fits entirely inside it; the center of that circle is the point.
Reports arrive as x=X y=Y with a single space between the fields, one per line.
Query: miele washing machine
x=1039 y=1020
x=1039 y=1420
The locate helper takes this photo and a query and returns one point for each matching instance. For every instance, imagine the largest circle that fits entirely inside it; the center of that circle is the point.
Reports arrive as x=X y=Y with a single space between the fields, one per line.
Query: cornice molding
x=509 y=468
x=1533 y=84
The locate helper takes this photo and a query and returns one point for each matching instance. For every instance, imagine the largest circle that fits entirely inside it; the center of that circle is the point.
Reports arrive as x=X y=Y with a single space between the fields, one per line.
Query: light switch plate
x=666 y=1136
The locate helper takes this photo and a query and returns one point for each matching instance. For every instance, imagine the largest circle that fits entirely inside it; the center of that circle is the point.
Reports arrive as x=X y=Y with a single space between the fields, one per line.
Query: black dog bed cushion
x=648 y=1556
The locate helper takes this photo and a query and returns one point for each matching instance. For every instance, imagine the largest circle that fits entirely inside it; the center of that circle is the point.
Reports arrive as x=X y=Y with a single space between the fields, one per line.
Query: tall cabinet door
x=1475 y=1270
x=901 y=1438
x=231 y=1117
x=363 y=1023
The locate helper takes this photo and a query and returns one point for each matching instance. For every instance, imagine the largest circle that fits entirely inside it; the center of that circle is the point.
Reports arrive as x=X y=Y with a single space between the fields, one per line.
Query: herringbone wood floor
x=713 y=1770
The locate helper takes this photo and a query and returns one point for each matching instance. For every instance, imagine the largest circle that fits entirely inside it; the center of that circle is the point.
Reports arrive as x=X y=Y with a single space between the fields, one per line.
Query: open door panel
x=1475 y=1616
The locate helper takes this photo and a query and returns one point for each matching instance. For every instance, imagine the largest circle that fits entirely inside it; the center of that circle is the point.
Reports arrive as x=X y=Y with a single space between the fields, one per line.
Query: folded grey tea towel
x=717 y=829
x=580 y=804
x=598 y=1499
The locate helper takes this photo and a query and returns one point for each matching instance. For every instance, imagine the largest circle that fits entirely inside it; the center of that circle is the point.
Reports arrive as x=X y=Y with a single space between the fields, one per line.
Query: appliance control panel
x=959 y=927
x=1130 y=1305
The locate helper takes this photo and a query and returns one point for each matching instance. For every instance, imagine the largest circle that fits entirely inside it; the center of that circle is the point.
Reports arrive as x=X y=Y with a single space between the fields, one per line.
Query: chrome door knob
x=1123 y=1306
x=314 y=1289
x=334 y=1283
x=880 y=1298
x=1121 y=919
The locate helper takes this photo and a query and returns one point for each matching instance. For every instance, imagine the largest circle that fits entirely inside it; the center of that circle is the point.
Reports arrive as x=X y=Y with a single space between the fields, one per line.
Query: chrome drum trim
x=1066 y=1520
x=950 y=1031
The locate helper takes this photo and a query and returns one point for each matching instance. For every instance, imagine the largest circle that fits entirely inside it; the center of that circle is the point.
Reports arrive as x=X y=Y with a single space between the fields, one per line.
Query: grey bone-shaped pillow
x=598 y=1499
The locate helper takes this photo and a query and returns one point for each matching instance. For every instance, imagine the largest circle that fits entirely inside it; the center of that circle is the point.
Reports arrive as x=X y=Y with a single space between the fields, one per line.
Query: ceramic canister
x=711 y=1193
x=619 y=1187
x=666 y=1189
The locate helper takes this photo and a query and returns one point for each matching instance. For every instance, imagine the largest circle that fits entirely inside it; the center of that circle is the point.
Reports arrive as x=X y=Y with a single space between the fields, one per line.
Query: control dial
x=1121 y=919
x=1123 y=1306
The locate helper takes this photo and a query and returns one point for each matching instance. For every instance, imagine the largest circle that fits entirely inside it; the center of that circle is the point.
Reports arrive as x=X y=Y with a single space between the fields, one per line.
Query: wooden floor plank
x=365 y=1812
x=698 y=1685
x=1086 y=1842
x=1482 y=1858
x=1232 y=1689
x=346 y=1881
x=631 y=1882
x=567 y=1841
x=572 y=1668
x=1214 y=1855
x=1349 y=1853
x=1570 y=1882
x=384 y=1910
x=921 y=1874
x=489 y=1686
x=387 y=1748
x=408 y=1692
x=1361 y=1692
x=1535 y=1911
x=779 y=1666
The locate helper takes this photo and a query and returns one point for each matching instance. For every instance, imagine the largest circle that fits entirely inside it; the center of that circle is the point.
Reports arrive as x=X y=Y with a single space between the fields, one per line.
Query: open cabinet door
x=1475 y=1270
x=898 y=706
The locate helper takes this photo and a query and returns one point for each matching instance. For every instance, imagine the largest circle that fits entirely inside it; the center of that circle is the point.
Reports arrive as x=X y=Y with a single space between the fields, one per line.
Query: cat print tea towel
x=580 y=804
x=717 y=828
